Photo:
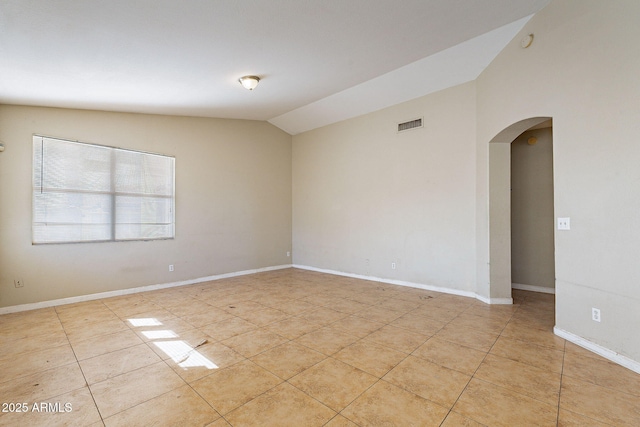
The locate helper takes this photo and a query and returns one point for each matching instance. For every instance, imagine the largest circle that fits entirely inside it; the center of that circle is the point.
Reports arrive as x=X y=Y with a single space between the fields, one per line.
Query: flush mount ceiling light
x=249 y=82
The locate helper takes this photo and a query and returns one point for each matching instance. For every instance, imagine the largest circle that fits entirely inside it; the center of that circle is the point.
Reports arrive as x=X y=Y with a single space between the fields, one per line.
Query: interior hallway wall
x=532 y=222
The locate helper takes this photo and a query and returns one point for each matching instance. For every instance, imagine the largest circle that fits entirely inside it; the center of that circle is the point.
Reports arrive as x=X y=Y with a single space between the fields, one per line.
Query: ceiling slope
x=320 y=61
x=456 y=65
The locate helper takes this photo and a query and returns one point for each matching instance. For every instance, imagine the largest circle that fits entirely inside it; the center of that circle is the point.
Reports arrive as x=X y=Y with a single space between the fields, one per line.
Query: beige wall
x=233 y=203
x=532 y=221
x=365 y=196
x=582 y=70
x=361 y=191
x=500 y=223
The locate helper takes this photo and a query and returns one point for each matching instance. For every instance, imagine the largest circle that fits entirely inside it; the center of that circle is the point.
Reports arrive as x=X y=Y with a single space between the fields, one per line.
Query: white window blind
x=92 y=193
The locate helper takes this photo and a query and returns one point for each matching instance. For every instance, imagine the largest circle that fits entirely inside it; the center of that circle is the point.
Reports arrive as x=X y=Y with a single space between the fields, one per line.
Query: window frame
x=112 y=193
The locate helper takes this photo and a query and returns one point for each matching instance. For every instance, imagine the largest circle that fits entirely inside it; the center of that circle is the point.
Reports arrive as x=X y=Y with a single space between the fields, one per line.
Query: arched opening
x=500 y=244
x=532 y=211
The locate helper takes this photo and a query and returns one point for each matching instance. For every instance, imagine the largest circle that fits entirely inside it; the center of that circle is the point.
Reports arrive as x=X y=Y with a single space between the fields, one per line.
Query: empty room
x=319 y=213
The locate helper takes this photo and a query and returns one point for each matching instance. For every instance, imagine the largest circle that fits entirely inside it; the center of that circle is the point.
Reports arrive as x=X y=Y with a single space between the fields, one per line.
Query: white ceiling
x=321 y=61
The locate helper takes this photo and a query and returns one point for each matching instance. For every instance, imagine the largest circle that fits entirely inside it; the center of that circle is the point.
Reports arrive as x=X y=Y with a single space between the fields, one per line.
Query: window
x=92 y=193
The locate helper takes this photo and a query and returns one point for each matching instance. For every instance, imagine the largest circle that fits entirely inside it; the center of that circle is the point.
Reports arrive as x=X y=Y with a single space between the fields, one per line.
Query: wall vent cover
x=411 y=124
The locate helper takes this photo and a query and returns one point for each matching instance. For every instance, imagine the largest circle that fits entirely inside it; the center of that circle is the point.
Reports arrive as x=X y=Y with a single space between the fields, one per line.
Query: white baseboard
x=575 y=339
x=533 y=288
x=120 y=292
x=410 y=284
x=599 y=350
x=496 y=301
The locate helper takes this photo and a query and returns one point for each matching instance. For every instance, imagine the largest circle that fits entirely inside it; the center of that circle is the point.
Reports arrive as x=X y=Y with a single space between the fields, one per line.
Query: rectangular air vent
x=411 y=124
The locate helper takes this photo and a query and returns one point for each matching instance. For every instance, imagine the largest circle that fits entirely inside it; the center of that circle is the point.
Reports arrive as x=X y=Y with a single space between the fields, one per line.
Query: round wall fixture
x=526 y=41
x=532 y=140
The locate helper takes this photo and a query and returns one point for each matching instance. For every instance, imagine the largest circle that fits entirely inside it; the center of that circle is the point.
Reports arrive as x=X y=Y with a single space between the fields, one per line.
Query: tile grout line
x=471 y=377
x=477 y=368
x=564 y=353
x=204 y=400
x=223 y=416
x=80 y=367
x=326 y=357
x=124 y=373
x=147 y=344
x=562 y=375
x=378 y=378
x=529 y=306
x=407 y=355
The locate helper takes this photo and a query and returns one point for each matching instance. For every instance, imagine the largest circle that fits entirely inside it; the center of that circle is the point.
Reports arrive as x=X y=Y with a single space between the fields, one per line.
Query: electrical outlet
x=18 y=283
x=288 y=253
x=393 y=265
x=170 y=267
x=595 y=314
x=564 y=223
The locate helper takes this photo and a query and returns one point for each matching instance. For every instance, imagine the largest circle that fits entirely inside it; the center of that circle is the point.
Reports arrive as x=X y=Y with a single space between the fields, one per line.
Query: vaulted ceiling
x=320 y=61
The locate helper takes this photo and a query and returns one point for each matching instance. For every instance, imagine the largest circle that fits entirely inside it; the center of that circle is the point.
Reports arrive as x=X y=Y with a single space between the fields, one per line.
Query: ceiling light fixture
x=249 y=82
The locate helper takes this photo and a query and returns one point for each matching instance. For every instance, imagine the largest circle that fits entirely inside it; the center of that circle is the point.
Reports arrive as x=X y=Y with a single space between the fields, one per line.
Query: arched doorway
x=532 y=211
x=500 y=274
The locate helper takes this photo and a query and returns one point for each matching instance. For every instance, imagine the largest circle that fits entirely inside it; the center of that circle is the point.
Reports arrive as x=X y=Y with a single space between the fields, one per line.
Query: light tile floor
x=300 y=348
